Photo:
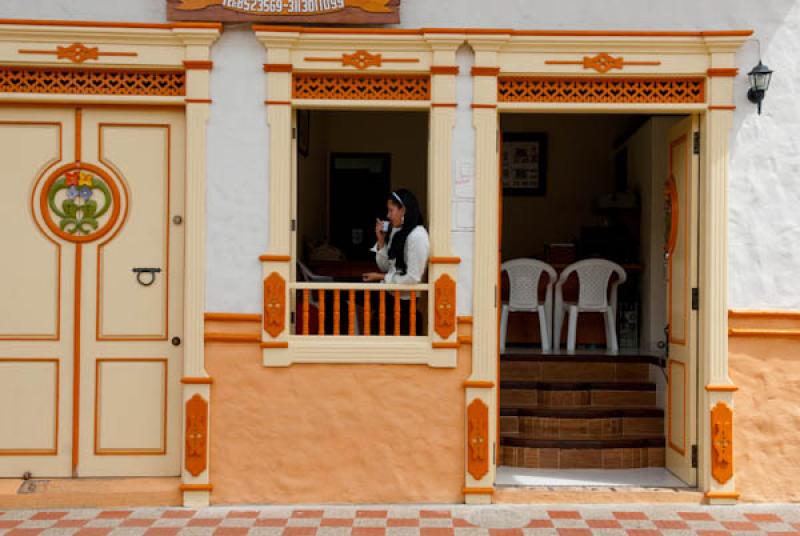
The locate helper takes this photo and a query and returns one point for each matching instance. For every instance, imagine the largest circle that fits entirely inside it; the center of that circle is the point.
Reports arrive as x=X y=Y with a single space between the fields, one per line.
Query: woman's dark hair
x=411 y=220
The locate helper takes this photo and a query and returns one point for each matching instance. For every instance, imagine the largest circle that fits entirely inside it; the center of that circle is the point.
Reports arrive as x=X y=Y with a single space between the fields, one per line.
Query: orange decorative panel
x=274 y=304
x=445 y=306
x=601 y=90
x=363 y=59
x=340 y=86
x=722 y=442
x=63 y=80
x=602 y=63
x=478 y=439
x=196 y=435
x=78 y=53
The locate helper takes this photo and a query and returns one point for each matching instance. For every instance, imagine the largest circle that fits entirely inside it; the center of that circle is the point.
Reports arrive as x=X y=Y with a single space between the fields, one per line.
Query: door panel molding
x=98 y=450
x=42 y=172
x=679 y=447
x=683 y=194
x=56 y=414
x=102 y=157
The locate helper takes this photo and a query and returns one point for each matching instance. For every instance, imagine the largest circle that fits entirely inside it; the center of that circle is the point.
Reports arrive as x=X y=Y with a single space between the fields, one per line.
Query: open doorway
x=348 y=165
x=585 y=398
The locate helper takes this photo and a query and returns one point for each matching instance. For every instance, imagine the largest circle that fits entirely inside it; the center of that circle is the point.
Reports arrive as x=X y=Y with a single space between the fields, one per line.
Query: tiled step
x=576 y=368
x=603 y=458
x=580 y=394
x=568 y=423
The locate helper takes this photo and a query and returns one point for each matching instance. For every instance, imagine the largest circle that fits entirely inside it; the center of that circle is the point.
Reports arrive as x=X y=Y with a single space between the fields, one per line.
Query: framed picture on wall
x=524 y=163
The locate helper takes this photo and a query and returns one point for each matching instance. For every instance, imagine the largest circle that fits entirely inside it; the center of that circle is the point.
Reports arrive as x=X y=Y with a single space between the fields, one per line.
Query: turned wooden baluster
x=413 y=319
x=351 y=310
x=306 y=299
x=396 y=313
x=382 y=314
x=367 y=314
x=337 y=313
x=321 y=312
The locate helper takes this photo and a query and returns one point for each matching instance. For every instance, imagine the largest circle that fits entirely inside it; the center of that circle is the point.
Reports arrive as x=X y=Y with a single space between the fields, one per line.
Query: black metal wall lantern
x=760 y=77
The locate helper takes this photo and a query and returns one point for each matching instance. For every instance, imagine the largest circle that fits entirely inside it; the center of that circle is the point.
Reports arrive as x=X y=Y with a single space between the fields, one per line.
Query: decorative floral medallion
x=80 y=202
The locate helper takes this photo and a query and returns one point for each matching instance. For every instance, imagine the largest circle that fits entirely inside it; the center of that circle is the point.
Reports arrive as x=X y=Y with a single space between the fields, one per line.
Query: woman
x=401 y=255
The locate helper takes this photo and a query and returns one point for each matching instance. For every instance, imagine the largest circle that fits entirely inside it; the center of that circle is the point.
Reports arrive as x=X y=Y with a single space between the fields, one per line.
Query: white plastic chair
x=523 y=296
x=307 y=275
x=594 y=276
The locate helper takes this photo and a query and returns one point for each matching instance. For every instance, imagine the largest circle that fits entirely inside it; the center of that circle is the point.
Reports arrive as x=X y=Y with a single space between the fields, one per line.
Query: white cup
x=385 y=226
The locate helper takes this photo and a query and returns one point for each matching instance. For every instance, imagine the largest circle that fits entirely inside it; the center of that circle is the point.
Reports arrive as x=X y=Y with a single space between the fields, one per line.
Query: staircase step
x=576 y=368
x=626 y=443
x=583 y=455
x=572 y=394
x=579 y=428
x=583 y=413
x=583 y=357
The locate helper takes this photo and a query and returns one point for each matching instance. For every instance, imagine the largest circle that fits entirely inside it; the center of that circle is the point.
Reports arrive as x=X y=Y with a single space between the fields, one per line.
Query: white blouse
x=417 y=250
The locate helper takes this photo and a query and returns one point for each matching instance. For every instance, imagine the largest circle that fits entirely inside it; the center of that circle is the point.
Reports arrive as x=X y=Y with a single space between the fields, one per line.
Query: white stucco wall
x=764 y=188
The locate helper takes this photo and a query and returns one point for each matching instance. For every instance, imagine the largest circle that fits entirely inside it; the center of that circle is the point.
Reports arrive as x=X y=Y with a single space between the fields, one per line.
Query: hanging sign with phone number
x=300 y=11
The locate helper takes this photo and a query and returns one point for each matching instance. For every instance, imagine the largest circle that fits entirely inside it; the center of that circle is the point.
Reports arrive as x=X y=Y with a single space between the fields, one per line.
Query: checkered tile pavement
x=497 y=520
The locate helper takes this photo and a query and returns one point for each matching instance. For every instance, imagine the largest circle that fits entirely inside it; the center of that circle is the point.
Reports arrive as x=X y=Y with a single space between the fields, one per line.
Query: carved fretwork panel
x=601 y=90
x=81 y=81
x=341 y=86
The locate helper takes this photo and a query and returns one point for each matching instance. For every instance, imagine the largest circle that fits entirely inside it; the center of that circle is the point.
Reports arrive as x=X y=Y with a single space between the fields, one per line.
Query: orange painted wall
x=333 y=433
x=767 y=409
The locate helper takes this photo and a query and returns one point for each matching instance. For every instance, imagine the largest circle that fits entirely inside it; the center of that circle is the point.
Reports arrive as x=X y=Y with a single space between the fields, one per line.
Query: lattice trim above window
x=91 y=81
x=336 y=86
x=601 y=90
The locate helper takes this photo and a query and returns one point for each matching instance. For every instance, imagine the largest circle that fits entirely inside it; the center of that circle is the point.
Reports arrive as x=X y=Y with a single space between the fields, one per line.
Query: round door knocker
x=151 y=271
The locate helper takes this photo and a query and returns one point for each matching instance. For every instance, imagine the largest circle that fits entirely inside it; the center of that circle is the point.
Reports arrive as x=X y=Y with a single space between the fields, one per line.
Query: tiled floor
x=651 y=477
x=744 y=520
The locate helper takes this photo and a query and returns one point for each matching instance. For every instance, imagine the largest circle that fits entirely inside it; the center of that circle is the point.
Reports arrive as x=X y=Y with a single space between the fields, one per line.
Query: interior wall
x=402 y=134
x=580 y=167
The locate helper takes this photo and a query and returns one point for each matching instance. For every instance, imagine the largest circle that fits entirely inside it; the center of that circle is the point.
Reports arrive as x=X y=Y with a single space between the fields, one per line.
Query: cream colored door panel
x=31 y=142
x=130 y=397
x=36 y=298
x=139 y=154
x=682 y=188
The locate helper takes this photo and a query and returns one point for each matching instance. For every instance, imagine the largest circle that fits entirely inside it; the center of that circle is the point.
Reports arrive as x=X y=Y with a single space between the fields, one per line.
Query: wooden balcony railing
x=359 y=309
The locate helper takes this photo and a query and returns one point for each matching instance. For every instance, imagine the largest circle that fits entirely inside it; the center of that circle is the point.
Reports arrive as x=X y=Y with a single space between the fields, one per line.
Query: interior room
x=348 y=163
x=588 y=188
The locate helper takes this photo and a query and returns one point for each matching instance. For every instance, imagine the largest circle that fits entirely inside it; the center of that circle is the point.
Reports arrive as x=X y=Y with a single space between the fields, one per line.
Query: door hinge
x=696 y=143
x=294 y=133
x=695 y=299
x=495 y=296
x=291 y=318
x=694 y=456
x=294 y=225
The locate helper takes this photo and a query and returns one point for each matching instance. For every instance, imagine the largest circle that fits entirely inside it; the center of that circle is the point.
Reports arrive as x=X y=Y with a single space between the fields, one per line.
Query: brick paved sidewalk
x=626 y=520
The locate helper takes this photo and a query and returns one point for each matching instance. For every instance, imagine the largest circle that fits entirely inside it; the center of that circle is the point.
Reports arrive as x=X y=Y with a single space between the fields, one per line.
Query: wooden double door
x=91 y=291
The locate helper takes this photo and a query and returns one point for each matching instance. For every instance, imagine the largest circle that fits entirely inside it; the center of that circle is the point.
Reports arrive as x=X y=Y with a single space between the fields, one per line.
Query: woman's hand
x=373 y=277
x=379 y=234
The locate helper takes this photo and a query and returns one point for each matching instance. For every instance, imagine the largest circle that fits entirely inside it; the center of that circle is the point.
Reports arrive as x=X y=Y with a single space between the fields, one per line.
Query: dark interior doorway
x=360 y=185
